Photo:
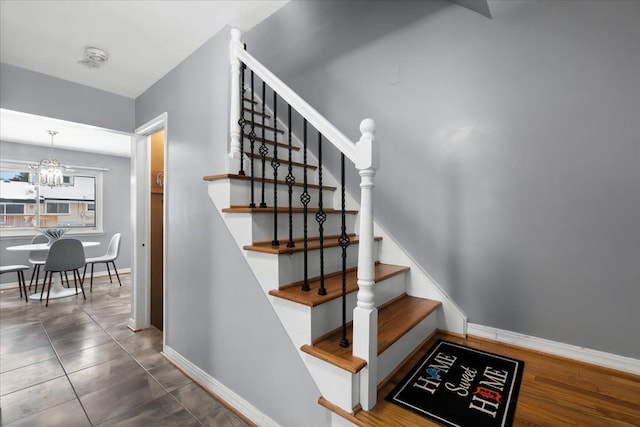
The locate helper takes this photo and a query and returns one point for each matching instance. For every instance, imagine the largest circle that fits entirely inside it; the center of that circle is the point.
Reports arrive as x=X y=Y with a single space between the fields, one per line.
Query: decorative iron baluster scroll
x=263 y=146
x=305 y=199
x=252 y=138
x=321 y=217
x=290 y=180
x=344 y=243
x=275 y=164
x=242 y=121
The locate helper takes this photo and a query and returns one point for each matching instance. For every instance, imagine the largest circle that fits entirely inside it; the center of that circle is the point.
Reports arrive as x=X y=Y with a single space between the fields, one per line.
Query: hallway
x=75 y=363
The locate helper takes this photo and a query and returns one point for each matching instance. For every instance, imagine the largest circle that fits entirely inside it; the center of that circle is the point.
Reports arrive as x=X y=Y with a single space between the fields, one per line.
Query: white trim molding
x=219 y=389
x=140 y=208
x=587 y=355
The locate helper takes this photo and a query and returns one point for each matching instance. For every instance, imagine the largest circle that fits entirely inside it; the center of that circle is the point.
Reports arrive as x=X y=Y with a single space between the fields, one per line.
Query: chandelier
x=49 y=171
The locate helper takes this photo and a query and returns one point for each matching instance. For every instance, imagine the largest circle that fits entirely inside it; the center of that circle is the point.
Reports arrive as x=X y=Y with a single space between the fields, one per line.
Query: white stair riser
x=241 y=194
x=247 y=227
x=340 y=387
x=296 y=319
x=262 y=226
x=291 y=267
x=328 y=316
x=390 y=288
x=275 y=270
x=394 y=355
x=283 y=170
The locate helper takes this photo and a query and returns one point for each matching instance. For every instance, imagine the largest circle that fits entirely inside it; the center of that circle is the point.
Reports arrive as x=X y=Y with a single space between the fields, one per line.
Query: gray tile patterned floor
x=75 y=363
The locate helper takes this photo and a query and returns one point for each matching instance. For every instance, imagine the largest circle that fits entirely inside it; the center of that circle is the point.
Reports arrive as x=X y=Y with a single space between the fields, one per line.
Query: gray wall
x=34 y=93
x=510 y=148
x=29 y=92
x=116 y=203
x=217 y=315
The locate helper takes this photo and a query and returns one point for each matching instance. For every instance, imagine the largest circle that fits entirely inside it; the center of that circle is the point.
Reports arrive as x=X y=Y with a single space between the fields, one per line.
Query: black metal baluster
x=290 y=181
x=241 y=120
x=252 y=137
x=305 y=199
x=344 y=243
x=321 y=217
x=263 y=147
x=275 y=164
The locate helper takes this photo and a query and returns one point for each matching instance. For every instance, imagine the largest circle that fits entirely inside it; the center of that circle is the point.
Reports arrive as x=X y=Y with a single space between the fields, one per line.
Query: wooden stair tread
x=284 y=161
x=333 y=285
x=271 y=142
x=257 y=113
x=283 y=209
x=395 y=319
x=267 y=127
x=398 y=316
x=313 y=243
x=258 y=179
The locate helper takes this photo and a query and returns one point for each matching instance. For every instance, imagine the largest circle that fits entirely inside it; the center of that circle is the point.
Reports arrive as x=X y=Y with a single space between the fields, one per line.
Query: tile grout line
x=64 y=370
x=143 y=368
x=93 y=312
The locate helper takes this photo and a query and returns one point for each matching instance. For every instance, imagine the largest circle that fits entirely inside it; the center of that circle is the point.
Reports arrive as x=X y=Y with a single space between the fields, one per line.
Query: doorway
x=148 y=188
x=156 y=222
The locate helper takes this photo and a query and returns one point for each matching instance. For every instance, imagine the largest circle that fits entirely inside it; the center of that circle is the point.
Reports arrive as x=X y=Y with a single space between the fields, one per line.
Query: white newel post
x=365 y=315
x=233 y=159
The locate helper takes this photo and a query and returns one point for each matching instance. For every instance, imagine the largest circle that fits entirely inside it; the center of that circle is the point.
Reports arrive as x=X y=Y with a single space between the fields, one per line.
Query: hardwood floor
x=555 y=392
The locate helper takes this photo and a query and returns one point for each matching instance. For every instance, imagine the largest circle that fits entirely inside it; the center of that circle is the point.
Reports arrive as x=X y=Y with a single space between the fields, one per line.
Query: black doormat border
x=452 y=389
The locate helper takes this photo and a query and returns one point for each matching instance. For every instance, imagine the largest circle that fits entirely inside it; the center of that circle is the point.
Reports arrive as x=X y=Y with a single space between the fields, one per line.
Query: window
x=11 y=208
x=57 y=207
x=25 y=207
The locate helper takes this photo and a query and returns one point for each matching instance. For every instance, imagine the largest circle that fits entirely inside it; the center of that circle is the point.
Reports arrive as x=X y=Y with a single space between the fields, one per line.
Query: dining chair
x=37 y=259
x=64 y=255
x=20 y=270
x=109 y=258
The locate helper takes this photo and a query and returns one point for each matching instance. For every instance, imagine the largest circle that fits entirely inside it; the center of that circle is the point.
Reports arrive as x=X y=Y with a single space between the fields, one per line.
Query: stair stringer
x=335 y=384
x=450 y=317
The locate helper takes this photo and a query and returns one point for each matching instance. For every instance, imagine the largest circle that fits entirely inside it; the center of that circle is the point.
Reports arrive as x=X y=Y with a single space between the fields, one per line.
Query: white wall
x=34 y=93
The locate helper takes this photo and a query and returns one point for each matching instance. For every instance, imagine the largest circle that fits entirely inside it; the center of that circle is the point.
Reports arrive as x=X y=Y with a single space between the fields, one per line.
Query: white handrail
x=317 y=120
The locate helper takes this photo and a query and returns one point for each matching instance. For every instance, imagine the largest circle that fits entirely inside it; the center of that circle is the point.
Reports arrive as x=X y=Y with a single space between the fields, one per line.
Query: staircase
x=353 y=303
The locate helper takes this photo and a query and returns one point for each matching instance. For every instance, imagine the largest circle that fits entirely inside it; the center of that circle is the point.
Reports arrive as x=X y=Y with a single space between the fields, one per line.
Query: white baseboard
x=595 y=357
x=14 y=285
x=219 y=389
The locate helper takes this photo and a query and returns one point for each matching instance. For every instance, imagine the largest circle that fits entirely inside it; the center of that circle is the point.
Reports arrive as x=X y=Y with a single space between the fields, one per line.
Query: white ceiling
x=145 y=40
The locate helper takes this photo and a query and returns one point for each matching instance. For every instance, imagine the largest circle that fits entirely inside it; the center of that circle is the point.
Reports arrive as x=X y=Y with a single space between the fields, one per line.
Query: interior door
x=156 y=222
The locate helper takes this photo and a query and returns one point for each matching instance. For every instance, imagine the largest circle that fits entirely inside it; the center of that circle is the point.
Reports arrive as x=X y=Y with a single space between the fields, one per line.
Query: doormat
x=455 y=385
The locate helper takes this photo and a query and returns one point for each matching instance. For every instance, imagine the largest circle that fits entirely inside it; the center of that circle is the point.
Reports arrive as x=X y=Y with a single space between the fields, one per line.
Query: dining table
x=57 y=290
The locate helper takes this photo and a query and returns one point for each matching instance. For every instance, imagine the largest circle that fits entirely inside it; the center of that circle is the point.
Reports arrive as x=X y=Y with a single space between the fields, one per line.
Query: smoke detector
x=94 y=57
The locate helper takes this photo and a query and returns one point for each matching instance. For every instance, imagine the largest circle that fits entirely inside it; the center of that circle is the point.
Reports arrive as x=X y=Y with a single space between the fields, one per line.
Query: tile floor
x=75 y=363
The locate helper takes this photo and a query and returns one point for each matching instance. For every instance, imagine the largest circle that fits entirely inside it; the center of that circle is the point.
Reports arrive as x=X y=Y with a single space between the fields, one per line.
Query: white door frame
x=141 y=208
